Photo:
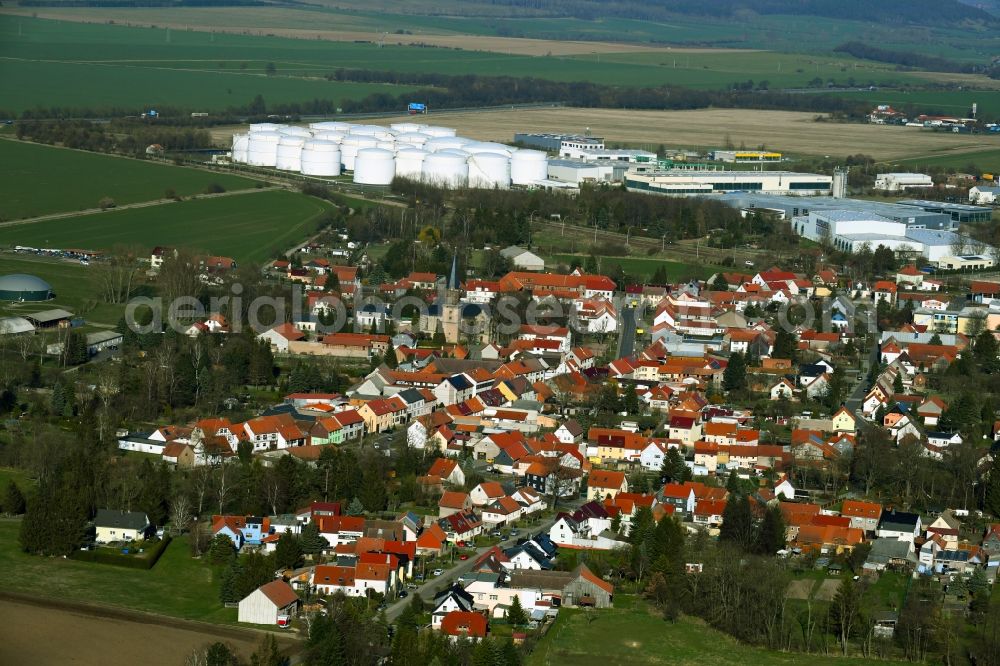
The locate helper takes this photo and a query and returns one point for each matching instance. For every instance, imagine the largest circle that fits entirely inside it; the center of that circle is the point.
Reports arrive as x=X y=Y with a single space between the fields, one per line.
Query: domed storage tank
x=293 y=130
x=416 y=138
x=321 y=158
x=436 y=143
x=241 y=146
x=410 y=162
x=263 y=148
x=489 y=170
x=265 y=127
x=386 y=144
x=455 y=151
x=432 y=130
x=403 y=128
x=329 y=135
x=289 y=154
x=445 y=170
x=528 y=167
x=331 y=126
x=487 y=147
x=374 y=166
x=368 y=130
x=350 y=146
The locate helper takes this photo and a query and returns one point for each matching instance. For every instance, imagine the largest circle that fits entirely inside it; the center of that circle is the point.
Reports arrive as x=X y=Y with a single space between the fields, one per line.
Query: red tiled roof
x=464 y=623
x=280 y=593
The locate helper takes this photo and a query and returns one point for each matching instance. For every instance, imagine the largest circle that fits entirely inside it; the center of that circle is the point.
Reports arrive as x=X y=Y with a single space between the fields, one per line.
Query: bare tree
x=116 y=274
x=225 y=481
x=180 y=512
x=179 y=275
x=202 y=480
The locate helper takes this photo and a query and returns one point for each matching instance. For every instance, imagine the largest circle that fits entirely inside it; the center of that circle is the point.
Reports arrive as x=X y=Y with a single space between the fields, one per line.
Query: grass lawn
x=986 y=161
x=178 y=585
x=643 y=267
x=43 y=179
x=249 y=227
x=75 y=287
x=8 y=474
x=630 y=635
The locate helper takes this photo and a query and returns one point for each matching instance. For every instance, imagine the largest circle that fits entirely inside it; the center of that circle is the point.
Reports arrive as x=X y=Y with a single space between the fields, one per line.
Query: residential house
x=863 y=515
x=448 y=470
x=116 y=526
x=603 y=484
x=453 y=502
x=898 y=525
x=268 y=603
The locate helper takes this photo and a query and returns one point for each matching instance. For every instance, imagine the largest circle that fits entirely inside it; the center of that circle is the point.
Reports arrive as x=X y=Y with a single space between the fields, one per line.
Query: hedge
x=119 y=559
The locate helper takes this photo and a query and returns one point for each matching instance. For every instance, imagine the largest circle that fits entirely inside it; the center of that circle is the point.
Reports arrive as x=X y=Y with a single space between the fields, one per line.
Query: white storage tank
x=445 y=170
x=329 y=135
x=321 y=158
x=432 y=130
x=241 y=146
x=410 y=162
x=437 y=143
x=350 y=146
x=487 y=147
x=489 y=170
x=293 y=130
x=265 y=127
x=331 y=126
x=288 y=156
x=416 y=138
x=455 y=151
x=263 y=148
x=374 y=166
x=528 y=167
x=403 y=128
x=386 y=144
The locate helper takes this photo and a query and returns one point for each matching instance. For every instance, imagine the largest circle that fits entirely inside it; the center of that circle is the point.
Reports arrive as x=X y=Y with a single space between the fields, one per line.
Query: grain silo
x=263 y=148
x=445 y=170
x=321 y=158
x=288 y=156
x=528 y=167
x=374 y=166
x=410 y=162
x=489 y=170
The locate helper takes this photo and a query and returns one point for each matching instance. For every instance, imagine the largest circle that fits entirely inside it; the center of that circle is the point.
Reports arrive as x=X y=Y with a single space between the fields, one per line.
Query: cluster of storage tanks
x=376 y=154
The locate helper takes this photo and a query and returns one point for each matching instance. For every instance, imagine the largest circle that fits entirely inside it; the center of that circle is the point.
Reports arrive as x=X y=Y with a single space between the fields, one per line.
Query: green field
x=178 y=586
x=248 y=227
x=42 y=179
x=987 y=161
x=642 y=267
x=58 y=63
x=75 y=286
x=632 y=635
x=936 y=102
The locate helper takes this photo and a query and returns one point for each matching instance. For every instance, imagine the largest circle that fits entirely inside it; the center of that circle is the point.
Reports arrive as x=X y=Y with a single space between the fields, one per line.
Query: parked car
x=460 y=544
x=463 y=556
x=403 y=594
x=438 y=572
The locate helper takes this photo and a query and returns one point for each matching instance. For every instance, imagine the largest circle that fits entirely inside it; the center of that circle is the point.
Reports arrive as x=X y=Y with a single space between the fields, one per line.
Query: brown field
x=312 y=25
x=827 y=590
x=800 y=589
x=785 y=131
x=52 y=635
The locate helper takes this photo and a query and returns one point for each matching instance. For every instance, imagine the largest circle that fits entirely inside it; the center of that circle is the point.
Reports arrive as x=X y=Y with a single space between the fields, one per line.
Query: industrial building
x=561 y=144
x=787 y=207
x=685 y=182
x=984 y=194
x=21 y=287
x=745 y=156
x=577 y=172
x=896 y=182
x=849 y=231
x=962 y=213
x=626 y=155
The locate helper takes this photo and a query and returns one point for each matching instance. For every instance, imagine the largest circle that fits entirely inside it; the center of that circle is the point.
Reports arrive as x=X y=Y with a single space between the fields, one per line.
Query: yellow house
x=115 y=526
x=843 y=420
x=602 y=484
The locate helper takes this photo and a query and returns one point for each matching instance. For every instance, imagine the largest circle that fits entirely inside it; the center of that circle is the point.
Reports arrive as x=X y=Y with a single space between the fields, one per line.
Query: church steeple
x=453 y=277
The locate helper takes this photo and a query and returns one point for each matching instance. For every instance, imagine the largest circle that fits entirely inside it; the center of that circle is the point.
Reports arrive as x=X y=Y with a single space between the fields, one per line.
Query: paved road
x=853 y=401
x=626 y=338
x=428 y=590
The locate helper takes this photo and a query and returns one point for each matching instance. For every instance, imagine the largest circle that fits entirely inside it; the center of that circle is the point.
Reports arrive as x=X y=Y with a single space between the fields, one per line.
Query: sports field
x=785 y=131
x=250 y=227
x=41 y=179
x=632 y=635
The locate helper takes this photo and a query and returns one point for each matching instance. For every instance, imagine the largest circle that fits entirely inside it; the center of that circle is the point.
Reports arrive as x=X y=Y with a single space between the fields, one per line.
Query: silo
x=386 y=144
x=374 y=166
x=410 y=162
x=241 y=146
x=331 y=126
x=416 y=138
x=288 y=156
x=489 y=170
x=263 y=148
x=445 y=170
x=432 y=130
x=528 y=167
x=455 y=151
x=321 y=158
x=403 y=128
x=350 y=146
x=487 y=147
x=329 y=135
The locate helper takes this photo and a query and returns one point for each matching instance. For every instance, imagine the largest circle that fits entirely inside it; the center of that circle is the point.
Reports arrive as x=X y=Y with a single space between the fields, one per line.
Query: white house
x=984 y=194
x=281 y=335
x=115 y=526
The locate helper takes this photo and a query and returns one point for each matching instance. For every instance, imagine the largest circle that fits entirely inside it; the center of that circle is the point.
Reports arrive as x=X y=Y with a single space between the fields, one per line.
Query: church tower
x=451 y=310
